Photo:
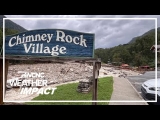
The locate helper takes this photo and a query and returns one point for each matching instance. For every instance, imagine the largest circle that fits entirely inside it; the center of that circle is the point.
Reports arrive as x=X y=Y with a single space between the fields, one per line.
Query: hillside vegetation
x=136 y=53
x=11 y=25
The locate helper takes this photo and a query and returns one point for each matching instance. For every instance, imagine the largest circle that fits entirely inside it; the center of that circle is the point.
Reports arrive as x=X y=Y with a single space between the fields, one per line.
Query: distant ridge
x=146 y=33
x=11 y=25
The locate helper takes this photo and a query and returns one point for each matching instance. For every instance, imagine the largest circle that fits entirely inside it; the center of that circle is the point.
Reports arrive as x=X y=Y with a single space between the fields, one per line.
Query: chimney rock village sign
x=50 y=43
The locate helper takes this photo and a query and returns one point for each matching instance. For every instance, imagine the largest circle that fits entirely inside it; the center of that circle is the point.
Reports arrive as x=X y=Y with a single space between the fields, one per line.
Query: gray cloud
x=108 y=33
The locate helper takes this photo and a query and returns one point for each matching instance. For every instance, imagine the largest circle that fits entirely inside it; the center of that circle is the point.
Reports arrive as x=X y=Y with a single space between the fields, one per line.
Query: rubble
x=53 y=72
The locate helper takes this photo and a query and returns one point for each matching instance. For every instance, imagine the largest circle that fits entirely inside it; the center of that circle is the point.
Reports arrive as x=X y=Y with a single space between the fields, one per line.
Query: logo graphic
x=30 y=84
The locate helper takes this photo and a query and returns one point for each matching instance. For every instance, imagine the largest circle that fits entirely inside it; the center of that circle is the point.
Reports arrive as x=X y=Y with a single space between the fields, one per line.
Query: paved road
x=137 y=81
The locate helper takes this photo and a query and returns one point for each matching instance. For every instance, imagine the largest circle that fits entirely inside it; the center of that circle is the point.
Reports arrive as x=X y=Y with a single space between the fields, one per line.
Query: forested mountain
x=11 y=25
x=152 y=31
x=133 y=40
x=136 y=53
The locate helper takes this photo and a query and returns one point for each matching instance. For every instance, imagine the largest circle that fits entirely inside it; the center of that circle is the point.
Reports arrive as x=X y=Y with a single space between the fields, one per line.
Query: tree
x=117 y=57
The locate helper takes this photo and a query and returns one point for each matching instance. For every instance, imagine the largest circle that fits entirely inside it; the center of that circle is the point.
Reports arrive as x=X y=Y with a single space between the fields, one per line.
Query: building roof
x=145 y=66
x=125 y=65
x=155 y=46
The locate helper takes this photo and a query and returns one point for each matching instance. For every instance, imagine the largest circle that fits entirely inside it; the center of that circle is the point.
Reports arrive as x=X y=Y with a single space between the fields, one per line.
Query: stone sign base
x=85 y=86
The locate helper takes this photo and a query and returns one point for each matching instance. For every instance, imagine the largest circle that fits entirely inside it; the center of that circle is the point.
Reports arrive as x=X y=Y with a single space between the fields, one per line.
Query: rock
x=63 y=71
x=8 y=86
x=71 y=69
x=105 y=73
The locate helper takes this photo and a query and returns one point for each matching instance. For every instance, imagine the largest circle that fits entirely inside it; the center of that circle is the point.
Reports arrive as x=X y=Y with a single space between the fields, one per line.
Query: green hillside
x=11 y=25
x=152 y=31
x=136 y=53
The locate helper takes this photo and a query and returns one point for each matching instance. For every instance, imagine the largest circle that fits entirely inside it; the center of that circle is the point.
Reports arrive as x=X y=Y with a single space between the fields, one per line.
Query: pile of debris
x=54 y=73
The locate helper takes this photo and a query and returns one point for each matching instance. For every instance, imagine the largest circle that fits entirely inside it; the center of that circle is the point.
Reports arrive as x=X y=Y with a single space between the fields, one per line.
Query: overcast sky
x=108 y=33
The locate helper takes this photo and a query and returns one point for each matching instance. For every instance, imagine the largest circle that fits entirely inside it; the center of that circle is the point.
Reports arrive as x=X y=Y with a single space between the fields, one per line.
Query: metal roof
x=155 y=46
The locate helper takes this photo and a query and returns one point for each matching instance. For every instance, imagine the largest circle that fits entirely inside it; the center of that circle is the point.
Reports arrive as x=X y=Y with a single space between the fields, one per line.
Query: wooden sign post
x=50 y=45
x=96 y=68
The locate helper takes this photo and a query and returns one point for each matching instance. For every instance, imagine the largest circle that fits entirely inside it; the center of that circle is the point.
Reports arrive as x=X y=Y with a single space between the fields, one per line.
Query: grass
x=68 y=92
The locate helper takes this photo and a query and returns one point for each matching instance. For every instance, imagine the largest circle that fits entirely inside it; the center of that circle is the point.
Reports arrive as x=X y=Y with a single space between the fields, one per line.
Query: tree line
x=136 y=53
